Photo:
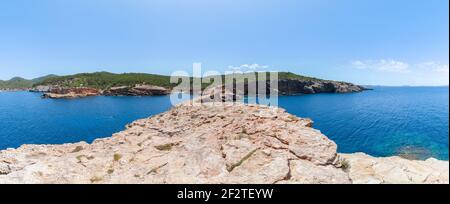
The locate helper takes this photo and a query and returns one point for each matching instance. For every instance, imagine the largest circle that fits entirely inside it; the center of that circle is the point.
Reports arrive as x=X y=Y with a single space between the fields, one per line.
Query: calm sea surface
x=383 y=122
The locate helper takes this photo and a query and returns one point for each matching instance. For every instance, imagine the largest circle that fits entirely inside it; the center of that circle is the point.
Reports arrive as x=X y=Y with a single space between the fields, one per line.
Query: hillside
x=105 y=80
x=21 y=83
x=126 y=84
x=16 y=83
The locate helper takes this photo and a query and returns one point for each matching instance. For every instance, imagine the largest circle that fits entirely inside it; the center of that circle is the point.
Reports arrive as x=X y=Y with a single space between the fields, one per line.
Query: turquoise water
x=381 y=122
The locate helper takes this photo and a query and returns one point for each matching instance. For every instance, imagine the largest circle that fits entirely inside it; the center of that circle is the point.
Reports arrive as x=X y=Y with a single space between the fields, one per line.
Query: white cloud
x=382 y=65
x=252 y=67
x=402 y=73
x=435 y=67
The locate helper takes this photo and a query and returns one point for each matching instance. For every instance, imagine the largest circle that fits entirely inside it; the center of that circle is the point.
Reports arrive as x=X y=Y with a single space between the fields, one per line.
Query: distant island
x=141 y=84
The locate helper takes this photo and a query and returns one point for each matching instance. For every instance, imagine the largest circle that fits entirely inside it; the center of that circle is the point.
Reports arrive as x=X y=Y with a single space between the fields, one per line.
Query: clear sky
x=382 y=42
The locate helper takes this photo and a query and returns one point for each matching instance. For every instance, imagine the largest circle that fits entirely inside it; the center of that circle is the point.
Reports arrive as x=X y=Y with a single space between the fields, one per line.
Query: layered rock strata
x=138 y=90
x=59 y=92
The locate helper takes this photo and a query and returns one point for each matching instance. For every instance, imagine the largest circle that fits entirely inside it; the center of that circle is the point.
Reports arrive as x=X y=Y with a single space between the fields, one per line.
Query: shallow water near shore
x=409 y=121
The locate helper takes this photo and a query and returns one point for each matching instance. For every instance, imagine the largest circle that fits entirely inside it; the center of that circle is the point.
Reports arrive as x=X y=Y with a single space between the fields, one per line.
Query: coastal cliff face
x=137 y=90
x=293 y=87
x=58 y=92
x=230 y=143
x=82 y=85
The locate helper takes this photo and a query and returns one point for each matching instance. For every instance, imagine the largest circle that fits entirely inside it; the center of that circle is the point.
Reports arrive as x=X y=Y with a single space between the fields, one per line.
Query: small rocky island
x=211 y=143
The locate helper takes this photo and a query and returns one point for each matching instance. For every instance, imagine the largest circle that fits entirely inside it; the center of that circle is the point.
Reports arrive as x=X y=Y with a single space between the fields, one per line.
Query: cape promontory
x=210 y=143
x=137 y=84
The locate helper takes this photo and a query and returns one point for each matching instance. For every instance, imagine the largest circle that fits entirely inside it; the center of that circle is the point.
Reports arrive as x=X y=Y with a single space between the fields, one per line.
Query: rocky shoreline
x=294 y=87
x=285 y=87
x=136 y=90
x=14 y=90
x=212 y=143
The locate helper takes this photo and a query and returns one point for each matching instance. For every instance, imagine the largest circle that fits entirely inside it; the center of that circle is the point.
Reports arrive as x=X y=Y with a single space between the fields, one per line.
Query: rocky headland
x=140 y=84
x=294 y=87
x=58 y=92
x=65 y=92
x=212 y=143
x=285 y=87
x=137 y=90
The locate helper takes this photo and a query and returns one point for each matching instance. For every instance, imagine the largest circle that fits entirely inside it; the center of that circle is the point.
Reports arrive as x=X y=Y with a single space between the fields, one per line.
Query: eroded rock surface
x=60 y=92
x=366 y=169
x=137 y=90
x=188 y=144
x=293 y=87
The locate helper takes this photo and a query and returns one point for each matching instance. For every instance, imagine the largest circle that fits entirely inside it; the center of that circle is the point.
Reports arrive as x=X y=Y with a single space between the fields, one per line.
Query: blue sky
x=383 y=42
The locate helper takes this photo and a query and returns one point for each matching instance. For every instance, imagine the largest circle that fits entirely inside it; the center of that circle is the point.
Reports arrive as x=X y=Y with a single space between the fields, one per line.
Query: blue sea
x=383 y=122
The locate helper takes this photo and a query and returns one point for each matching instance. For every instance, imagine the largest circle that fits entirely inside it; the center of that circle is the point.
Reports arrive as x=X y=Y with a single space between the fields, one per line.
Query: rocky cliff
x=292 y=87
x=60 y=92
x=366 y=169
x=146 y=84
x=57 y=92
x=210 y=144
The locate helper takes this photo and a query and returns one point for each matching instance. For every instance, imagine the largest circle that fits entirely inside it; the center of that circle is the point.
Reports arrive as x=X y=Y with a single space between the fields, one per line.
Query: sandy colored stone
x=234 y=143
x=395 y=170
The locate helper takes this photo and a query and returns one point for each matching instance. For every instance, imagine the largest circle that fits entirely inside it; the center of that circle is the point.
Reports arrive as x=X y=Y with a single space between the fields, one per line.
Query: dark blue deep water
x=383 y=122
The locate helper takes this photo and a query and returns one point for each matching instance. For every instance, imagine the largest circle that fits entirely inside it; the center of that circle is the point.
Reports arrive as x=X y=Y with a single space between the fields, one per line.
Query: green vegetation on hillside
x=21 y=83
x=40 y=79
x=16 y=83
x=105 y=80
x=281 y=76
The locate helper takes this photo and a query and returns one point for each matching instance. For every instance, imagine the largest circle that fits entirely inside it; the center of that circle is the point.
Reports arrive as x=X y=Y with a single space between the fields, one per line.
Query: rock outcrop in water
x=59 y=92
x=208 y=144
x=41 y=89
x=293 y=87
x=149 y=85
x=137 y=90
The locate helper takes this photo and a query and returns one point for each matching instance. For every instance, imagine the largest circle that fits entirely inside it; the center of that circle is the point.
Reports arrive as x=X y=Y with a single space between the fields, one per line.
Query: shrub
x=165 y=147
x=345 y=165
x=77 y=149
x=117 y=157
x=96 y=179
